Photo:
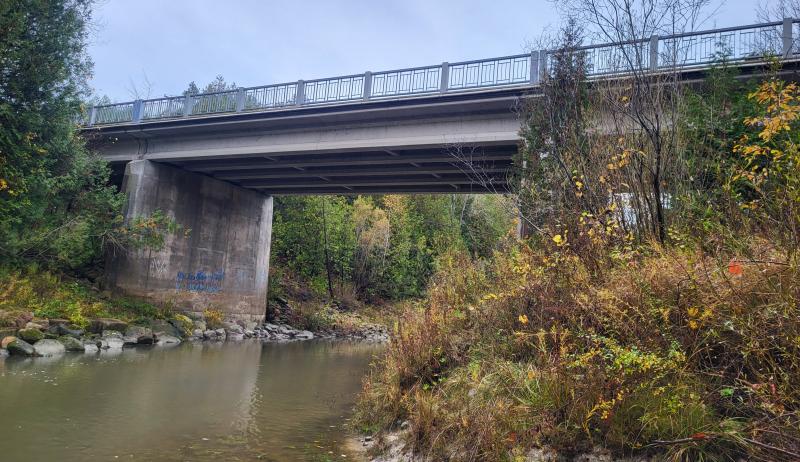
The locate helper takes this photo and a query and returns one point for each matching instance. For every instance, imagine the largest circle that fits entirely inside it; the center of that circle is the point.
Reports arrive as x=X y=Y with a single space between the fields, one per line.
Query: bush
x=50 y=295
x=674 y=350
x=214 y=318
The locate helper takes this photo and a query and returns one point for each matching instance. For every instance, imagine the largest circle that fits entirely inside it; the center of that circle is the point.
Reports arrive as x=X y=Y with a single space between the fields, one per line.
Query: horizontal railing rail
x=654 y=54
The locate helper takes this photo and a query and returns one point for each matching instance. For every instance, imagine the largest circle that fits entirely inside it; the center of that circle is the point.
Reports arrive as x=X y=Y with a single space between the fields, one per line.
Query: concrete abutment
x=218 y=260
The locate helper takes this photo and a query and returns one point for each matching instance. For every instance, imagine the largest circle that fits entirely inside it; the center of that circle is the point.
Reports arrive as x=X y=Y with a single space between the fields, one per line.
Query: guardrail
x=656 y=53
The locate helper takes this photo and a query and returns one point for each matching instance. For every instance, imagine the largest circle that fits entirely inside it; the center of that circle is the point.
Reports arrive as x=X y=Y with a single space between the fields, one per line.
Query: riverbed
x=237 y=401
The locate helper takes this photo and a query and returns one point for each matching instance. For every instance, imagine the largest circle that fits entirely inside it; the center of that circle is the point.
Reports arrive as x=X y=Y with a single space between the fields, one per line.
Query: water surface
x=224 y=401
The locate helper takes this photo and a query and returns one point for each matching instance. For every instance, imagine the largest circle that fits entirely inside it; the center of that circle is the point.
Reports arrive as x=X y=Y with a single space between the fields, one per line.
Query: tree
x=606 y=155
x=56 y=205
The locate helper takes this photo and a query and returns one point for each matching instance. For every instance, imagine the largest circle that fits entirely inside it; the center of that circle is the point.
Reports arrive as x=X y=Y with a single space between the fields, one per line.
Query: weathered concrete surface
x=222 y=263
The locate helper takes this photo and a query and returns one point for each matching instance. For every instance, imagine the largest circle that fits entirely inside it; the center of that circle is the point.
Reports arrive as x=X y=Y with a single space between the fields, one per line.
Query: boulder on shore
x=6 y=340
x=41 y=324
x=141 y=334
x=160 y=327
x=61 y=329
x=90 y=348
x=30 y=335
x=49 y=347
x=19 y=347
x=113 y=343
x=71 y=343
x=97 y=326
x=111 y=333
x=168 y=340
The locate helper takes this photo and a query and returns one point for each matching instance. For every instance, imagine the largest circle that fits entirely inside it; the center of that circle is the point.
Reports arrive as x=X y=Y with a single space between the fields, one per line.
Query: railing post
x=136 y=115
x=534 y=67
x=654 y=53
x=445 y=75
x=788 y=26
x=300 y=95
x=240 y=94
x=367 y=85
x=542 y=65
x=187 y=105
x=92 y=115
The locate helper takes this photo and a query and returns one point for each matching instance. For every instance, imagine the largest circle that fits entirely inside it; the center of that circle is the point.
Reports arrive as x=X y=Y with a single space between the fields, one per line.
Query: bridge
x=213 y=161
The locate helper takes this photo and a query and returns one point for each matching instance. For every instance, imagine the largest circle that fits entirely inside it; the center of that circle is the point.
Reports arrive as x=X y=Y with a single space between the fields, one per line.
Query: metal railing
x=654 y=54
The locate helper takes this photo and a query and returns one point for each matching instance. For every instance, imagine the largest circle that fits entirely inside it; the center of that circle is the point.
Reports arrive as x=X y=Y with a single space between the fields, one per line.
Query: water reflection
x=237 y=401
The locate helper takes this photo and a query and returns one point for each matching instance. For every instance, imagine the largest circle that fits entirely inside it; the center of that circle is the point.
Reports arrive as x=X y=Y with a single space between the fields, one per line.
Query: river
x=235 y=401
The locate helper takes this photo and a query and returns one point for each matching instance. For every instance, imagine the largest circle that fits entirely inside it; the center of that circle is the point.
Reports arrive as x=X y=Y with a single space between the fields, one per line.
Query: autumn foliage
x=587 y=335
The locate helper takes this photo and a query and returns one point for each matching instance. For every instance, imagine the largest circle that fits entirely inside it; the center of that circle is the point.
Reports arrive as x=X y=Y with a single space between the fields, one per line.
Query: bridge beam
x=223 y=260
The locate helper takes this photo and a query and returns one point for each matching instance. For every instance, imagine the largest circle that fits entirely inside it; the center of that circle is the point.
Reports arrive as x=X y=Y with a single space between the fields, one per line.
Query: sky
x=152 y=48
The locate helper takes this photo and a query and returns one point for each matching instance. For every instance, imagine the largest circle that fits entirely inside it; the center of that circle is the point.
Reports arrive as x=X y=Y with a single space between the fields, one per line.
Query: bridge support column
x=223 y=261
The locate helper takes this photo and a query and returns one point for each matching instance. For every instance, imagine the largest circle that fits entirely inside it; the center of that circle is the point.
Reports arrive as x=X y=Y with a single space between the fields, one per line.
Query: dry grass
x=670 y=351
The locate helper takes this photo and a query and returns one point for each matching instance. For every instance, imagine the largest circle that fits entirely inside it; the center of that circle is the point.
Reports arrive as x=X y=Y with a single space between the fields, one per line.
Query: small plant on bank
x=214 y=318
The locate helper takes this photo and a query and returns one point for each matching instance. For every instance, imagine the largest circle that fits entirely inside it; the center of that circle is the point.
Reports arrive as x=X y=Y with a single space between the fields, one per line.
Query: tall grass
x=676 y=352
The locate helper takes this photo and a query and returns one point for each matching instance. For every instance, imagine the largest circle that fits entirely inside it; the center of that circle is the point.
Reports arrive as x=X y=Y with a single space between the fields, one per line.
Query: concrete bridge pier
x=221 y=261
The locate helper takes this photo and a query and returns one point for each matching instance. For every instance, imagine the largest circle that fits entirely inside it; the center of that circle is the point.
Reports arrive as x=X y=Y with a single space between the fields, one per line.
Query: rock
x=90 y=348
x=221 y=333
x=286 y=330
x=36 y=325
x=304 y=335
x=7 y=332
x=112 y=333
x=71 y=343
x=6 y=340
x=129 y=340
x=200 y=324
x=234 y=337
x=99 y=325
x=19 y=347
x=249 y=333
x=3 y=352
x=48 y=347
x=198 y=333
x=55 y=322
x=168 y=340
x=598 y=454
x=65 y=329
x=209 y=334
x=163 y=327
x=232 y=328
x=113 y=343
x=250 y=325
x=143 y=335
x=31 y=335
x=542 y=455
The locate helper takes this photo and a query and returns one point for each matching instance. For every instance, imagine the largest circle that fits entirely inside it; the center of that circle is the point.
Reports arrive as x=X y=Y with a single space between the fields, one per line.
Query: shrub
x=213 y=318
x=675 y=350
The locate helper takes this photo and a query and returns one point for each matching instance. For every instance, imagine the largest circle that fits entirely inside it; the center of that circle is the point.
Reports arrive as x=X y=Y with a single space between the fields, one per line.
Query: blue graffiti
x=200 y=281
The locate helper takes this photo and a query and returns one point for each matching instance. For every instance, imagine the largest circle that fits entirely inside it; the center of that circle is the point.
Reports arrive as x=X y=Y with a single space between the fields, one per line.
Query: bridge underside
x=482 y=169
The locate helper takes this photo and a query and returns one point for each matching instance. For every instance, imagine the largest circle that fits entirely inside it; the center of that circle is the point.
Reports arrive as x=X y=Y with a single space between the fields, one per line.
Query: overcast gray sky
x=169 y=43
